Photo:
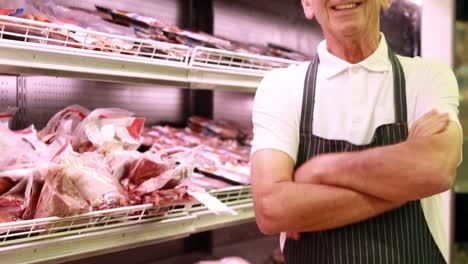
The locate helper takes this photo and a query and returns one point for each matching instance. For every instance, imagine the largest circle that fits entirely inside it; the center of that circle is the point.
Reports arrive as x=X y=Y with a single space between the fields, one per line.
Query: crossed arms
x=343 y=188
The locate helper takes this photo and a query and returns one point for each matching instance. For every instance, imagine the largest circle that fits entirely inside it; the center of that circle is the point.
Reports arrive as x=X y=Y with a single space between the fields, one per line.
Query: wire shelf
x=234 y=62
x=76 y=40
x=230 y=196
x=40 y=229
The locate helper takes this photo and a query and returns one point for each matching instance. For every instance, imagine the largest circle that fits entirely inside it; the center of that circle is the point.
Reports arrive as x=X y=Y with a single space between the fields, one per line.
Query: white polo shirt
x=351 y=101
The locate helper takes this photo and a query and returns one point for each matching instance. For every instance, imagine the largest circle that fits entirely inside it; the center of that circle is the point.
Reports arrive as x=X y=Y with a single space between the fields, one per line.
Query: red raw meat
x=120 y=161
x=154 y=183
x=136 y=127
x=145 y=168
x=13 y=204
x=5 y=184
x=6 y=217
x=30 y=210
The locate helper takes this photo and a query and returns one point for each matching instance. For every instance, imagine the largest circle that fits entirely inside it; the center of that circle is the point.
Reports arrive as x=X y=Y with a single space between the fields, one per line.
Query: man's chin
x=349 y=31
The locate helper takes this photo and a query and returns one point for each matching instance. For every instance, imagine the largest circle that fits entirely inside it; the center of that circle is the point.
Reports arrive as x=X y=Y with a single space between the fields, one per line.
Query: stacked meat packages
x=84 y=161
x=150 y=27
x=225 y=149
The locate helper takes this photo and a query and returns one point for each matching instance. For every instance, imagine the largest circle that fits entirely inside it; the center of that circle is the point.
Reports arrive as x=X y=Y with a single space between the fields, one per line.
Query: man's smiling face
x=346 y=17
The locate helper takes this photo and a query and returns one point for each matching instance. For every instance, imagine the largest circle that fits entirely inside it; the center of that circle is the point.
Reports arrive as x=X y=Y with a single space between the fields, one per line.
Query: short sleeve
x=274 y=117
x=439 y=91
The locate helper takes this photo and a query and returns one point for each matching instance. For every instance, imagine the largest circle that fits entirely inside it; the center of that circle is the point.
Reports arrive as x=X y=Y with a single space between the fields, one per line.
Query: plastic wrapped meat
x=153 y=164
x=6 y=184
x=62 y=124
x=30 y=210
x=82 y=185
x=7 y=114
x=92 y=178
x=221 y=128
x=14 y=150
x=147 y=167
x=108 y=129
x=60 y=197
x=226 y=158
x=12 y=205
x=176 y=174
x=168 y=179
x=120 y=162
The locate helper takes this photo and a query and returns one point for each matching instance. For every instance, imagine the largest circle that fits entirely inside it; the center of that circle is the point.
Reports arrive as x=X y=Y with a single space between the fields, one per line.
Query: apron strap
x=399 y=89
x=308 y=98
x=307 y=112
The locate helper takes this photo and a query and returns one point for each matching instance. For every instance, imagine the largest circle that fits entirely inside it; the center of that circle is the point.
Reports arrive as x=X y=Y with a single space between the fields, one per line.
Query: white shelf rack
x=220 y=69
x=32 y=47
x=58 y=239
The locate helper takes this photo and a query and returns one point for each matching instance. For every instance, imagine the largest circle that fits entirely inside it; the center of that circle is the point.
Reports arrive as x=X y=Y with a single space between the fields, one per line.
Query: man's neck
x=352 y=49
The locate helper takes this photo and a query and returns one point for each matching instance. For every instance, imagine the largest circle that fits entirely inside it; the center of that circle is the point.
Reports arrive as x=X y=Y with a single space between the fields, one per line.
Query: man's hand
x=430 y=124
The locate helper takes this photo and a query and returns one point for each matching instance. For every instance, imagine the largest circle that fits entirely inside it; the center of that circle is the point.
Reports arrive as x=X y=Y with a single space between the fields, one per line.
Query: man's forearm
x=312 y=207
x=406 y=171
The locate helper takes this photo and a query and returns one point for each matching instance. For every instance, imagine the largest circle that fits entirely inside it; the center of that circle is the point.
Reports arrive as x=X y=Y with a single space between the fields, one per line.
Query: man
x=347 y=146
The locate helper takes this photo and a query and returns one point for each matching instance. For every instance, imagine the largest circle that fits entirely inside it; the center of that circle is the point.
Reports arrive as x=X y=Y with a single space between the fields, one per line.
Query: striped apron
x=399 y=236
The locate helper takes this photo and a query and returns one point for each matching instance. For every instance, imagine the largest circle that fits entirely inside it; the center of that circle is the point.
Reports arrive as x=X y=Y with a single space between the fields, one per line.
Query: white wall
x=437 y=43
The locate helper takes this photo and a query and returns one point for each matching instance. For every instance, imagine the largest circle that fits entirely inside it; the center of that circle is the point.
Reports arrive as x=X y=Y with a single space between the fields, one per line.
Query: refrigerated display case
x=51 y=66
x=166 y=83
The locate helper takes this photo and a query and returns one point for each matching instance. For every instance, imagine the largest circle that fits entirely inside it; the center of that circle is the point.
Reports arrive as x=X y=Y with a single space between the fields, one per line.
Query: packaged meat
x=154 y=170
x=21 y=197
x=158 y=182
x=6 y=217
x=221 y=156
x=221 y=128
x=25 y=193
x=13 y=204
x=5 y=184
x=63 y=123
x=7 y=114
x=60 y=197
x=81 y=185
x=148 y=166
x=108 y=129
x=14 y=150
x=92 y=179
x=30 y=209
x=121 y=161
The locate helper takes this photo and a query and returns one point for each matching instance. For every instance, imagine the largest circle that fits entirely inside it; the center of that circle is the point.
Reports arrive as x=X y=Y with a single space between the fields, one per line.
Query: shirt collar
x=332 y=65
